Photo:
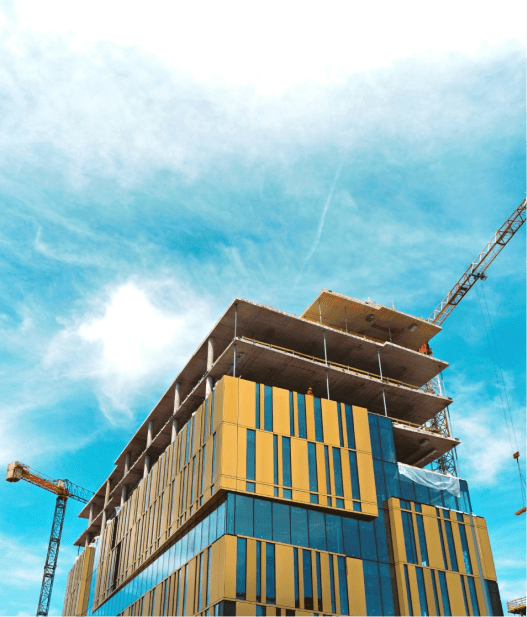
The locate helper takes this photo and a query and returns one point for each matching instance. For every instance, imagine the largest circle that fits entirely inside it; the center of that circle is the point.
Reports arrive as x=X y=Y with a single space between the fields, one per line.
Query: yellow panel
x=459 y=548
x=299 y=464
x=301 y=496
x=242 y=453
x=226 y=482
x=230 y=400
x=247 y=403
x=362 y=429
x=285 y=588
x=321 y=467
x=281 y=411
x=226 y=450
x=412 y=578
x=219 y=407
x=245 y=608
x=401 y=589
x=251 y=571
x=433 y=541
x=191 y=583
x=453 y=583
x=479 y=594
x=330 y=422
x=264 y=457
x=310 y=418
x=331 y=473
x=324 y=575
x=346 y=477
x=366 y=478
x=356 y=589
x=230 y=567
x=217 y=566
x=487 y=562
x=396 y=528
x=429 y=591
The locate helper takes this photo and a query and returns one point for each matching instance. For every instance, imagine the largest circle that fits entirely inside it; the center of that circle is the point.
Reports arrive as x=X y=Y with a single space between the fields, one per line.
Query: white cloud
x=133 y=334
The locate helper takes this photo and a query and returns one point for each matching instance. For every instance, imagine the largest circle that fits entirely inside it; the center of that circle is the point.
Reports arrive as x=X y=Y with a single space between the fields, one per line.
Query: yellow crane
x=63 y=489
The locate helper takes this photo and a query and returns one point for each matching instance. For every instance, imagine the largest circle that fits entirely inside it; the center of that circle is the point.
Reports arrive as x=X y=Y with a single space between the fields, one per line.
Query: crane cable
x=500 y=382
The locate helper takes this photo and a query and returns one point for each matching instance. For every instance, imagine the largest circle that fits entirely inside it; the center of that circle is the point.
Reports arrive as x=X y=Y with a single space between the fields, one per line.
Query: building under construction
x=282 y=473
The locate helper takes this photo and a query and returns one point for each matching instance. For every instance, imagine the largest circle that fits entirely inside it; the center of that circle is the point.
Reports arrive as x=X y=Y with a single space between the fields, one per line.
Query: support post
x=127 y=462
x=380 y=372
x=146 y=468
x=210 y=353
x=209 y=384
x=150 y=434
x=124 y=494
x=90 y=518
x=234 y=363
x=177 y=397
x=235 y=320
x=327 y=382
x=174 y=430
x=88 y=540
x=107 y=493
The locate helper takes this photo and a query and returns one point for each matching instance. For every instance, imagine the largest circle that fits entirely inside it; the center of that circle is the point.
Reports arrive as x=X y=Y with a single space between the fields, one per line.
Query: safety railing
x=348 y=369
x=516 y=605
x=421 y=427
x=333 y=326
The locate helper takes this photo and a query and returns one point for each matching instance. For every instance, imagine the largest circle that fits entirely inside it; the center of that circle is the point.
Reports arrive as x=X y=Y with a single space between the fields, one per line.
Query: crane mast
x=63 y=489
x=475 y=272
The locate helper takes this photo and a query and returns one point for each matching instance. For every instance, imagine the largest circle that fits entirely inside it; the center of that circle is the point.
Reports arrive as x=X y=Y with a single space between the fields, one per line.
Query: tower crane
x=474 y=273
x=63 y=489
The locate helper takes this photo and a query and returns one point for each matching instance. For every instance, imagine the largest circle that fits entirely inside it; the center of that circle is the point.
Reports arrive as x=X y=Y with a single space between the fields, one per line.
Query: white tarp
x=431 y=478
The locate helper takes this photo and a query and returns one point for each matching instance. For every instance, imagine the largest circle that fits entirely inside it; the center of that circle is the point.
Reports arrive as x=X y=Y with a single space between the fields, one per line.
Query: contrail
x=322 y=220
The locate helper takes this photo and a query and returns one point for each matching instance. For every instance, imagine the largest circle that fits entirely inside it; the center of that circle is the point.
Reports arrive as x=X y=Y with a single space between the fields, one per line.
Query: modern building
x=282 y=473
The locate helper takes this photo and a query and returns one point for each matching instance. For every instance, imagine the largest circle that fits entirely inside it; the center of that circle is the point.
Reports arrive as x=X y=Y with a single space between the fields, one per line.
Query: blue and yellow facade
x=270 y=501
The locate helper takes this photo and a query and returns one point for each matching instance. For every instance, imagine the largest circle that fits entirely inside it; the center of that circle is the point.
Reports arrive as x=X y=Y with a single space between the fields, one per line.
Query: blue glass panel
x=380 y=535
x=367 y=540
x=317 y=531
x=299 y=535
x=464 y=546
x=422 y=494
x=270 y=583
x=464 y=595
x=434 y=587
x=341 y=432
x=250 y=487
x=408 y=593
x=258 y=571
x=275 y=459
x=350 y=529
x=213 y=517
x=385 y=573
x=335 y=543
x=207 y=597
x=251 y=454
x=263 y=520
x=313 y=498
x=391 y=478
x=206 y=528
x=241 y=568
x=387 y=442
x=220 y=523
x=407 y=488
x=268 y=408
x=257 y=405
x=422 y=592
x=436 y=497
x=450 y=501
x=379 y=481
x=409 y=538
x=350 y=429
x=337 y=470
x=319 y=581
x=291 y=415
x=287 y=493
x=422 y=540
x=244 y=515
x=312 y=461
x=332 y=584
x=442 y=540
x=301 y=404
x=205 y=416
x=308 y=580
x=319 y=431
x=374 y=436
x=328 y=472
x=451 y=546
x=355 y=487
x=286 y=460
x=343 y=586
x=213 y=457
x=372 y=585
x=473 y=596
x=444 y=594
x=296 y=576
x=281 y=523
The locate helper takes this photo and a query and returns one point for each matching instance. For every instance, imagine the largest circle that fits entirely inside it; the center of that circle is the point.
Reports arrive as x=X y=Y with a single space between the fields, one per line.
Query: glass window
x=312 y=461
x=258 y=571
x=203 y=465
x=445 y=562
x=388 y=608
x=299 y=535
x=409 y=537
x=297 y=588
x=317 y=535
x=380 y=535
x=434 y=588
x=301 y=404
x=444 y=594
x=332 y=584
x=263 y=519
x=354 y=474
x=209 y=559
x=275 y=458
x=257 y=418
x=350 y=528
x=205 y=415
x=319 y=581
x=343 y=585
x=270 y=582
x=291 y=415
x=213 y=457
x=391 y=477
x=473 y=596
x=244 y=515
x=251 y=454
x=268 y=408
x=286 y=460
x=341 y=432
x=421 y=493
x=367 y=540
x=334 y=540
x=374 y=436
x=328 y=471
x=422 y=592
x=408 y=593
x=407 y=488
x=337 y=470
x=308 y=580
x=319 y=431
x=281 y=523
x=372 y=584
x=213 y=518
x=379 y=481
x=464 y=546
x=464 y=594
x=241 y=569
x=183 y=605
x=451 y=546
x=350 y=430
x=386 y=436
x=201 y=575
x=422 y=540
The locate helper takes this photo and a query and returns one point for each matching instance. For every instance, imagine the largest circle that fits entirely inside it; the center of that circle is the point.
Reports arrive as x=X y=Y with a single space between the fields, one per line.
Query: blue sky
x=156 y=164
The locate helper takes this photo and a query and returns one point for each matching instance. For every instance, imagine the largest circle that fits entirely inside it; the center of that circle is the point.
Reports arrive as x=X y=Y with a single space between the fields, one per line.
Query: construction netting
x=432 y=479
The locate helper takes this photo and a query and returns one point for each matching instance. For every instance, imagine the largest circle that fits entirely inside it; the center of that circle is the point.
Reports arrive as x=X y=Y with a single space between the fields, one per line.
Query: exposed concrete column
x=177 y=397
x=209 y=384
x=150 y=434
x=107 y=493
x=90 y=518
x=210 y=353
x=174 y=430
x=103 y=523
x=127 y=462
x=88 y=540
x=124 y=494
x=146 y=468
x=380 y=373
